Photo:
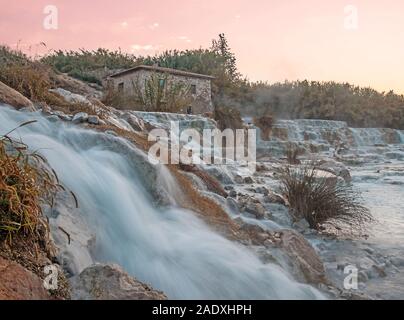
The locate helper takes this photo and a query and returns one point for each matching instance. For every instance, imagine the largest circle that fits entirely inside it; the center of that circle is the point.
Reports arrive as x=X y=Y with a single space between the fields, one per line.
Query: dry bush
x=292 y=154
x=24 y=186
x=265 y=123
x=31 y=80
x=228 y=118
x=318 y=199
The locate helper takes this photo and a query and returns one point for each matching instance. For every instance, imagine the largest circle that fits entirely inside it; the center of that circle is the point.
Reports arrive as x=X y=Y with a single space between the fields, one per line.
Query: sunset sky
x=273 y=40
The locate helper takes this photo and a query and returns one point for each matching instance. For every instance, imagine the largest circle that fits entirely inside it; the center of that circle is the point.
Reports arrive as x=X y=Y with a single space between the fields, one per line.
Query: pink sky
x=274 y=40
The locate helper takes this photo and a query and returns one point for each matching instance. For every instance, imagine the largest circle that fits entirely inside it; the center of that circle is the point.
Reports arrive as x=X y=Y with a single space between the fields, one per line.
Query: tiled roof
x=163 y=70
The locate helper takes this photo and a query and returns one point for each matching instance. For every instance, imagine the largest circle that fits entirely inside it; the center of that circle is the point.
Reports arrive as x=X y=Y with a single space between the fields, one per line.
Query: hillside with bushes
x=358 y=106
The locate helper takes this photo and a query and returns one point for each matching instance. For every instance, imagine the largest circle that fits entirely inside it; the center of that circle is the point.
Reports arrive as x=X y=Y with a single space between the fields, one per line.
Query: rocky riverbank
x=249 y=215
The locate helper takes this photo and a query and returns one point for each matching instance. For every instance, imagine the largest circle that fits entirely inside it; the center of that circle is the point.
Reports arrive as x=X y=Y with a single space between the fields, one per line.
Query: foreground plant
x=25 y=185
x=320 y=199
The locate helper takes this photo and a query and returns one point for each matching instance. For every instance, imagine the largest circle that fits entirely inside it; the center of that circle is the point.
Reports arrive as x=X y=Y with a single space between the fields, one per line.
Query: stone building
x=198 y=85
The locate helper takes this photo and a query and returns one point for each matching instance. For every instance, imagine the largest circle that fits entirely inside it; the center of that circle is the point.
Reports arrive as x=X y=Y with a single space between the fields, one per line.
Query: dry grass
x=319 y=200
x=33 y=80
x=292 y=154
x=23 y=188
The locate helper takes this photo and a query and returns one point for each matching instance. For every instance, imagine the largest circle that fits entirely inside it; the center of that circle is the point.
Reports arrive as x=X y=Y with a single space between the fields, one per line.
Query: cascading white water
x=401 y=134
x=168 y=248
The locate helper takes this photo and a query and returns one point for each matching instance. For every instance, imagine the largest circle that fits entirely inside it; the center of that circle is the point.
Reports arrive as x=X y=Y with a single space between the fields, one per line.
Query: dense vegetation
x=360 y=107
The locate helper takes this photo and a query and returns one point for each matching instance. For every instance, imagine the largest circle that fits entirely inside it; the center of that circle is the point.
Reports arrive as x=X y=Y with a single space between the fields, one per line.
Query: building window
x=120 y=87
x=189 y=110
x=162 y=83
x=193 y=88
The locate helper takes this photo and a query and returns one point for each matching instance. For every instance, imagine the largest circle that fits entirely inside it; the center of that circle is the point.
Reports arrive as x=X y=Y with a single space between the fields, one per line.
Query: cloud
x=124 y=24
x=146 y=47
x=184 y=38
x=154 y=26
x=237 y=16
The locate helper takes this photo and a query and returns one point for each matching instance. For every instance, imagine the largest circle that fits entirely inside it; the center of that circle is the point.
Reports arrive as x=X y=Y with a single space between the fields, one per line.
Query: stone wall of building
x=201 y=101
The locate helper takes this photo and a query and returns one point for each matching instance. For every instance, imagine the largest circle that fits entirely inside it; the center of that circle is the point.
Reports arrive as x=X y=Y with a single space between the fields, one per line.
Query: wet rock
x=232 y=205
x=238 y=179
x=136 y=123
x=365 y=263
x=233 y=193
x=63 y=116
x=111 y=132
x=336 y=168
x=397 y=261
x=228 y=188
x=261 y=167
x=253 y=206
x=369 y=250
x=363 y=276
x=248 y=180
x=111 y=282
x=380 y=269
x=256 y=234
x=342 y=265
x=14 y=98
x=18 y=283
x=219 y=174
x=303 y=256
x=93 y=120
x=262 y=190
x=53 y=118
x=80 y=117
x=301 y=225
x=273 y=197
x=71 y=97
x=71 y=234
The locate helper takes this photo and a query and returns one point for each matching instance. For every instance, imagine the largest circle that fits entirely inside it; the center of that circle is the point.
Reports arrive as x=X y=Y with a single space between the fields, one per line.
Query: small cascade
x=401 y=134
x=323 y=135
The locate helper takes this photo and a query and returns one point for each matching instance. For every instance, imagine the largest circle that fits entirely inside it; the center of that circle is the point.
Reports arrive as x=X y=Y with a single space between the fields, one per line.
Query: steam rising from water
x=168 y=248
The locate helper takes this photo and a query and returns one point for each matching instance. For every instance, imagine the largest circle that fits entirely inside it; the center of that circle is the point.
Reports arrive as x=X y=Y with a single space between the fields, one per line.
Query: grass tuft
x=320 y=199
x=24 y=186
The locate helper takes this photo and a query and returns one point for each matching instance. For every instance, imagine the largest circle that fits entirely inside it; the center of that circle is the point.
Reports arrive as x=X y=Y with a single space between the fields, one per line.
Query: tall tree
x=221 y=47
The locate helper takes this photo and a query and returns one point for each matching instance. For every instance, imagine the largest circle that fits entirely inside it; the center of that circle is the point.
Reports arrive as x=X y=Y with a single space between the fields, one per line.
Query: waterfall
x=169 y=248
x=401 y=134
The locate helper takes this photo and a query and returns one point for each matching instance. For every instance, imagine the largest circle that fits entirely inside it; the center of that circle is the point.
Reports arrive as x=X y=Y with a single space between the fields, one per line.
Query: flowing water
x=168 y=248
x=375 y=159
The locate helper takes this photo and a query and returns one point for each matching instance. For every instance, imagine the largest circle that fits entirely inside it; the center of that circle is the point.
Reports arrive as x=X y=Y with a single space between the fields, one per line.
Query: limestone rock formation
x=18 y=283
x=111 y=282
x=14 y=98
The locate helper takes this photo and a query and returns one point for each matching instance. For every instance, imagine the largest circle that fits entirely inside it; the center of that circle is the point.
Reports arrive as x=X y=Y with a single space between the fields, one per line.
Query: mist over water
x=168 y=248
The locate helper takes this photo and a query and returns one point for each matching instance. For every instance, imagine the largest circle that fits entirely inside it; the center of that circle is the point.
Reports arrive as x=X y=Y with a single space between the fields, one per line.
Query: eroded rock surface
x=14 y=98
x=111 y=282
x=18 y=283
